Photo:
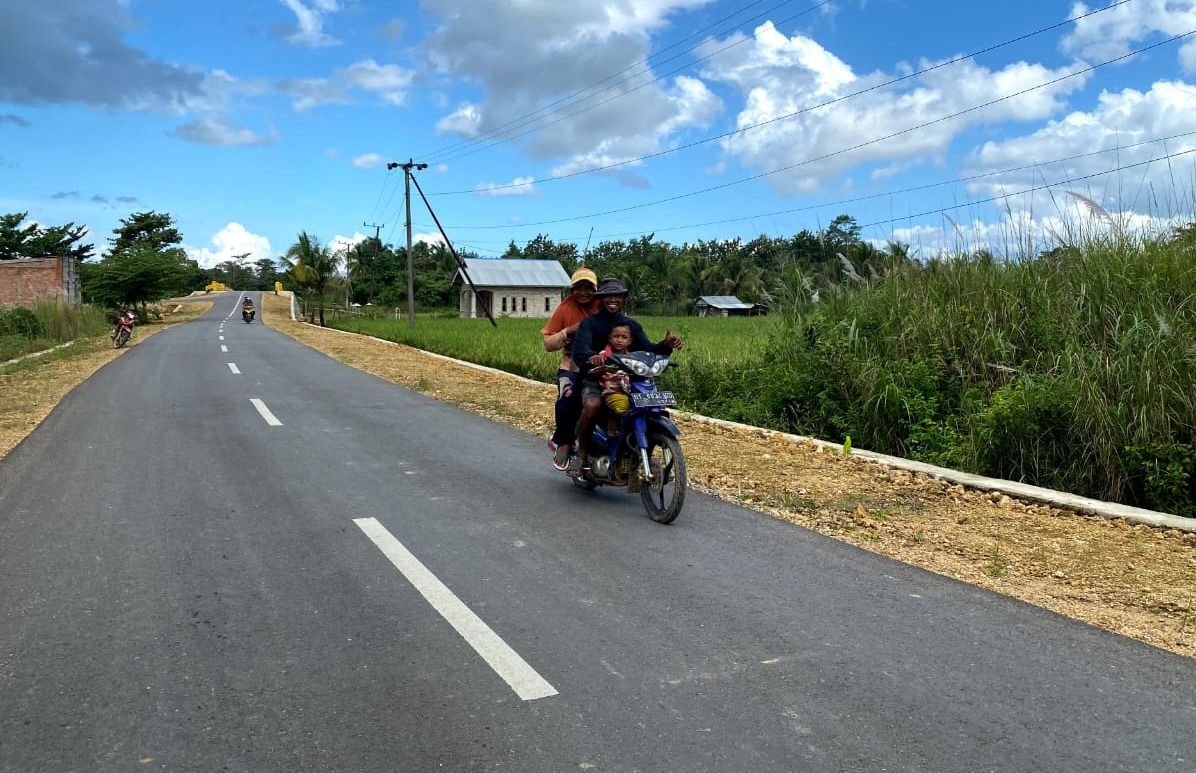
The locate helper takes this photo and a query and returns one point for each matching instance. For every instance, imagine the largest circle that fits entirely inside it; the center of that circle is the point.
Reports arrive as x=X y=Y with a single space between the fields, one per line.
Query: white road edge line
x=233 y=367
x=235 y=305
x=223 y=348
x=505 y=661
x=270 y=418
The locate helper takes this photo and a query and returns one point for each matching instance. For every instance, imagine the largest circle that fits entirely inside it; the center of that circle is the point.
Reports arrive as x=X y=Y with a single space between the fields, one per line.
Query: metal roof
x=514 y=272
x=725 y=302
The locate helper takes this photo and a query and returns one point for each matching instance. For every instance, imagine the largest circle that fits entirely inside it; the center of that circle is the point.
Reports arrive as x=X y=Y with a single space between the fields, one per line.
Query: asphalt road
x=381 y=582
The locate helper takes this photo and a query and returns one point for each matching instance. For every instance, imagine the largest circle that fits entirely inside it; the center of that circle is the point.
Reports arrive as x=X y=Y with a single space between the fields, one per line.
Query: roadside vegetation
x=1071 y=369
x=47 y=325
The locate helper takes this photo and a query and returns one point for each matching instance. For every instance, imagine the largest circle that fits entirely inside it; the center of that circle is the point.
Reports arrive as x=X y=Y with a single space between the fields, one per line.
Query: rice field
x=515 y=345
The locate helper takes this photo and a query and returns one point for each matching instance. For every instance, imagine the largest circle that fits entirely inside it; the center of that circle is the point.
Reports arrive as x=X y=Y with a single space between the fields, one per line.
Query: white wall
x=515 y=301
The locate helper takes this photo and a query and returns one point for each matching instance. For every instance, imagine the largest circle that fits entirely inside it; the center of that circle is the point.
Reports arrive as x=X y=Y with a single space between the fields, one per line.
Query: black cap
x=610 y=286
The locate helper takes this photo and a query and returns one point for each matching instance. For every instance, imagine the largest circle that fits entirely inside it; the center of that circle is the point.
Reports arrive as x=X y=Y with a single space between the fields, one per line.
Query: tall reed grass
x=1075 y=369
x=48 y=324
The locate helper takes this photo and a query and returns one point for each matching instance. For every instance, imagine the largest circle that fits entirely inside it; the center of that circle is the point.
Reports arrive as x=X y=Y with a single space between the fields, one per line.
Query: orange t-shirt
x=568 y=313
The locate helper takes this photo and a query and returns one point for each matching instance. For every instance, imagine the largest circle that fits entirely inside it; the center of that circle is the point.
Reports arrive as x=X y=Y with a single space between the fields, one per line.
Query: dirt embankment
x=29 y=390
x=1134 y=580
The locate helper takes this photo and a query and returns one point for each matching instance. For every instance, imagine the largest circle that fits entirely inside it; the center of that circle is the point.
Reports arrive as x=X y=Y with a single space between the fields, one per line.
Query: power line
x=841 y=151
x=970 y=203
x=827 y=103
x=654 y=79
x=1035 y=189
x=549 y=108
x=910 y=189
x=381 y=191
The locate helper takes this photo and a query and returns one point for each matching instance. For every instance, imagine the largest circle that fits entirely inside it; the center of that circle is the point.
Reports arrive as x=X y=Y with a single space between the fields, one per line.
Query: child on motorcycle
x=615 y=383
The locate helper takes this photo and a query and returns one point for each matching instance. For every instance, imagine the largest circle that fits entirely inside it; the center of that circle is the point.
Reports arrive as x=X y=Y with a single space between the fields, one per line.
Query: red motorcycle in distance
x=124 y=329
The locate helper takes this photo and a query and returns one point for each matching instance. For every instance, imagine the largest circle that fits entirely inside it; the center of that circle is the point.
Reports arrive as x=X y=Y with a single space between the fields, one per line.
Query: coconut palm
x=313 y=265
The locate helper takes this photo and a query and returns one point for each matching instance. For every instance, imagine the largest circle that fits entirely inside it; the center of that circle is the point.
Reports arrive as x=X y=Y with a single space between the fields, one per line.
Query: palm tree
x=315 y=262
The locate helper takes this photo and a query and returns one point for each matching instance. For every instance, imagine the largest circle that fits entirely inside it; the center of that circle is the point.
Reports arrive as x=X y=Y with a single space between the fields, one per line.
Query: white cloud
x=1119 y=30
x=310 y=22
x=344 y=243
x=1019 y=233
x=466 y=120
x=780 y=75
x=231 y=240
x=1120 y=119
x=486 y=43
x=73 y=51
x=388 y=82
x=520 y=186
x=428 y=238
x=367 y=161
x=441 y=168
x=220 y=131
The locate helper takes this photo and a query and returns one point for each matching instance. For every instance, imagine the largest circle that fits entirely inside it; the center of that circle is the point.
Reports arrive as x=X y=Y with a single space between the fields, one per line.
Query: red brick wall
x=22 y=282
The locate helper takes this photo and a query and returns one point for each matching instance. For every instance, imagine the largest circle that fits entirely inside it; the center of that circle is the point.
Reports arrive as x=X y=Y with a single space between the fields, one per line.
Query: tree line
x=145 y=262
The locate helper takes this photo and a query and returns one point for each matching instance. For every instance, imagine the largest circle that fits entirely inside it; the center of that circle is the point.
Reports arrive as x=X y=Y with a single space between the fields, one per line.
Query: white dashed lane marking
x=270 y=418
x=499 y=655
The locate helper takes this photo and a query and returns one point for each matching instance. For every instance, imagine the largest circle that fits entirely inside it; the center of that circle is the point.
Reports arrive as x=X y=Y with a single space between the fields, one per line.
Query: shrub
x=19 y=321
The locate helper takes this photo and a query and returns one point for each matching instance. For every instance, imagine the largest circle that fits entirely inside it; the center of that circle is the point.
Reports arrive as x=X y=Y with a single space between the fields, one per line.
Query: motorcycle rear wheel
x=122 y=337
x=664 y=495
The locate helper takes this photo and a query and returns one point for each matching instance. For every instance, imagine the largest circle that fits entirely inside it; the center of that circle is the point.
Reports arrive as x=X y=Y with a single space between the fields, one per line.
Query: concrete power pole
x=407 y=167
x=377 y=228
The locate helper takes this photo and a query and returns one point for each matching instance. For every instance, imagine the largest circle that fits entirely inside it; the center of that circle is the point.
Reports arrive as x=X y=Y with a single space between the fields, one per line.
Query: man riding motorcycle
x=247 y=311
x=592 y=337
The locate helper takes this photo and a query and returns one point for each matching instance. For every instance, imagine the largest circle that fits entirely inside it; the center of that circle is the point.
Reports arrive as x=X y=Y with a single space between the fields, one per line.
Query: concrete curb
x=36 y=354
x=1010 y=488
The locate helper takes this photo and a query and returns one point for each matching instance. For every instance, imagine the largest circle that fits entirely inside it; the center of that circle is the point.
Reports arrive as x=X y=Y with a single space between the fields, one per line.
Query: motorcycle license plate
x=653 y=399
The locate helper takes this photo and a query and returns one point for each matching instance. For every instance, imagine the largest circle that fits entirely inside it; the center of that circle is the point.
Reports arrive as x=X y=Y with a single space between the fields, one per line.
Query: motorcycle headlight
x=638 y=368
x=659 y=367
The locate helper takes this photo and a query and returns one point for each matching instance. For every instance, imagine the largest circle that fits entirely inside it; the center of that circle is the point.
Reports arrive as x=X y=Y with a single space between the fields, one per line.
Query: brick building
x=24 y=281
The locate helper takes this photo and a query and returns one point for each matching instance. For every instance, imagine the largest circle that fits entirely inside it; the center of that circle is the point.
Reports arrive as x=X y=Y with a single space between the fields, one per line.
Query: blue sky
x=251 y=120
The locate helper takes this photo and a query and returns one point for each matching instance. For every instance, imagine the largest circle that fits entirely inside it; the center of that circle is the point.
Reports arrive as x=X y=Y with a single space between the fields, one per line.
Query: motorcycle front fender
x=664 y=423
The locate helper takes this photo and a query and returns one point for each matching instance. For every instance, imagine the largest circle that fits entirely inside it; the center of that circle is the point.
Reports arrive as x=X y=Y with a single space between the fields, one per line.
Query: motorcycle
x=644 y=454
x=123 y=332
x=247 y=315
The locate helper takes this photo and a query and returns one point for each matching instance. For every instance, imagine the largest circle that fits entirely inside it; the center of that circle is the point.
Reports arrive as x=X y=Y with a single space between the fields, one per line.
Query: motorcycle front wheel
x=121 y=339
x=664 y=494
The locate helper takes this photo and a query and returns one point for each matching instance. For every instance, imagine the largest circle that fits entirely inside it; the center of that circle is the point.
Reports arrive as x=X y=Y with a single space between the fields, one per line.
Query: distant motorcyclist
x=247 y=310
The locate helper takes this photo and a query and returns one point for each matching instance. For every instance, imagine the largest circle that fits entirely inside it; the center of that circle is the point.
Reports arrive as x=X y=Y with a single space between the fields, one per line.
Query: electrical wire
x=827 y=103
x=894 y=192
x=842 y=151
x=645 y=84
x=645 y=62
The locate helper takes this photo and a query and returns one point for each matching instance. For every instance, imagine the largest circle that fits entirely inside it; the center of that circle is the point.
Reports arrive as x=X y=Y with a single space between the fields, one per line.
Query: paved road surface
x=187 y=587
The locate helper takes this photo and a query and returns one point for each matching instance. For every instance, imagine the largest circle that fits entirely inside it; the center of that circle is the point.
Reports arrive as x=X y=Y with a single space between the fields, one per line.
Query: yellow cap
x=584 y=275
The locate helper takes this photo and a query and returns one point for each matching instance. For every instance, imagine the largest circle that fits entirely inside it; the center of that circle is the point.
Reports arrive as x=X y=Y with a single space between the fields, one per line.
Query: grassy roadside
x=31 y=388
x=1133 y=580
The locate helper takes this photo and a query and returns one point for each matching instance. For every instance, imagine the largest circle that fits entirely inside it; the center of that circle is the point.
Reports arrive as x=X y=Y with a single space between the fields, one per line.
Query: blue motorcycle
x=644 y=453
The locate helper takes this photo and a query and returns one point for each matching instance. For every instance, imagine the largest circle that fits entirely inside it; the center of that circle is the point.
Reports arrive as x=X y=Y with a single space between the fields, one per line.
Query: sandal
x=561 y=458
x=576 y=465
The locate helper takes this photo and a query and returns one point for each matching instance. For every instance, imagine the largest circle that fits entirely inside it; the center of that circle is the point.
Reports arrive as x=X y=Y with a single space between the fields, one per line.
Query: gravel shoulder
x=1134 y=580
x=30 y=389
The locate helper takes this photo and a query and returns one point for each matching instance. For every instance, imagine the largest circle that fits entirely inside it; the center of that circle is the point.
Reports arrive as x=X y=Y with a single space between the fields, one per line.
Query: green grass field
x=516 y=346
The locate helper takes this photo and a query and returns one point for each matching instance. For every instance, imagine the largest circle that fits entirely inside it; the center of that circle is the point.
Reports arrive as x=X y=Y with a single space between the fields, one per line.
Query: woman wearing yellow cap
x=558 y=336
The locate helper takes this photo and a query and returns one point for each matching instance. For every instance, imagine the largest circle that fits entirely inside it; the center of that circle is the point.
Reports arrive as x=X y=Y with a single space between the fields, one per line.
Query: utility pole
x=407 y=167
x=376 y=226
